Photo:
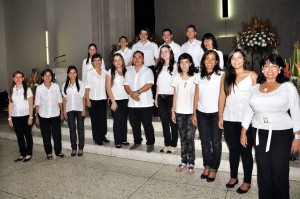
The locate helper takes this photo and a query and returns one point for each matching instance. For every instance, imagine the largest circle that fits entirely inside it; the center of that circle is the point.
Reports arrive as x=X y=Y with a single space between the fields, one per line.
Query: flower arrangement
x=292 y=67
x=258 y=36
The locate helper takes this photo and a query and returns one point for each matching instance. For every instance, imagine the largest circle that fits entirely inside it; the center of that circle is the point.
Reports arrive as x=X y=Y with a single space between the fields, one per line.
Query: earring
x=279 y=71
x=262 y=71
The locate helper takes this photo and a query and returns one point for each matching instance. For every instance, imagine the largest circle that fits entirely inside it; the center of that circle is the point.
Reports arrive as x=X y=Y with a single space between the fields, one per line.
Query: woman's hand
x=65 y=115
x=173 y=117
x=10 y=123
x=30 y=120
x=114 y=106
x=295 y=146
x=37 y=121
x=83 y=112
x=62 y=117
x=155 y=102
x=220 y=123
x=88 y=103
x=243 y=140
x=194 y=120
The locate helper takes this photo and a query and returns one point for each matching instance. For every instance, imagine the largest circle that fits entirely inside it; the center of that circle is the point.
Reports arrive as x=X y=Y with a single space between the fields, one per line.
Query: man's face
x=167 y=37
x=191 y=33
x=143 y=35
x=138 y=59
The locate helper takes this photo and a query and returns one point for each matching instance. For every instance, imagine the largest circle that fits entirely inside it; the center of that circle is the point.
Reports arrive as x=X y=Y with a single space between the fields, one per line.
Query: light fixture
x=47 y=48
x=225 y=8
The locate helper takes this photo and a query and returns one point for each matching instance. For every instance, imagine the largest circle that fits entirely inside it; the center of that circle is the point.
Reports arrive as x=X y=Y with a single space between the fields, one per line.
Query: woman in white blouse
x=276 y=131
x=87 y=62
x=236 y=85
x=20 y=114
x=96 y=99
x=48 y=107
x=166 y=69
x=207 y=113
x=119 y=99
x=74 y=108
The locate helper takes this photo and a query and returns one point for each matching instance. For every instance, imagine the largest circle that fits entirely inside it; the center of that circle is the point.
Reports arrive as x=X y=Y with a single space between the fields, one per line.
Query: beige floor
x=98 y=176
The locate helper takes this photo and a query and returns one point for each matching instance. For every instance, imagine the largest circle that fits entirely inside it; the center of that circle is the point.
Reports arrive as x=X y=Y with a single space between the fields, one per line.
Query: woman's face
x=72 y=74
x=47 y=77
x=210 y=62
x=97 y=62
x=270 y=70
x=123 y=43
x=92 y=50
x=118 y=62
x=208 y=44
x=237 y=60
x=18 y=79
x=185 y=65
x=165 y=53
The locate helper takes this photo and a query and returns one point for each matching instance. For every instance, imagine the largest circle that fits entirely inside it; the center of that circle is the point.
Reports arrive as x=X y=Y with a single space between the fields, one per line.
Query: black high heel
x=241 y=191
x=232 y=185
x=20 y=158
x=28 y=159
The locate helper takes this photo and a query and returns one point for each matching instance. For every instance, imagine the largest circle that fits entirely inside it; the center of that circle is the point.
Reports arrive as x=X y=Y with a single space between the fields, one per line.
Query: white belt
x=266 y=120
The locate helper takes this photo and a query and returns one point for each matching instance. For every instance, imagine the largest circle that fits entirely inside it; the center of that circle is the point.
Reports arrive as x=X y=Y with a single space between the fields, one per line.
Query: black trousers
x=153 y=88
x=51 y=126
x=232 y=134
x=98 y=114
x=120 y=122
x=273 y=166
x=138 y=116
x=75 y=118
x=23 y=130
x=210 y=136
x=165 y=103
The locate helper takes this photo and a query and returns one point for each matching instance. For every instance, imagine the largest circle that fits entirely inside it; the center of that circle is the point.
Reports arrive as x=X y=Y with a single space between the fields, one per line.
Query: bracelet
x=297 y=136
x=30 y=117
x=8 y=119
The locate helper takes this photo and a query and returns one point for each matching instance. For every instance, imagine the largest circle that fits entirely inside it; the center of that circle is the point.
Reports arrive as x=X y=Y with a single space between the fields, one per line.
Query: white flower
x=259 y=38
x=255 y=42
x=252 y=44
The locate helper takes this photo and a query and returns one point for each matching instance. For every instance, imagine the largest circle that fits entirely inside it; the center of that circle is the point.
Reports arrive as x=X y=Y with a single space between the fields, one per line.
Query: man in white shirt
x=137 y=84
x=167 y=36
x=193 y=46
x=125 y=51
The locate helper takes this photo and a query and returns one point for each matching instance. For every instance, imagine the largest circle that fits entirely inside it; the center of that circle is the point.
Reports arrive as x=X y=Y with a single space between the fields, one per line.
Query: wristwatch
x=138 y=91
x=297 y=136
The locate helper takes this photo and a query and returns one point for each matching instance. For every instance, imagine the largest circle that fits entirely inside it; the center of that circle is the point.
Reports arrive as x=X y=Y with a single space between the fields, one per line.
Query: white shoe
x=172 y=150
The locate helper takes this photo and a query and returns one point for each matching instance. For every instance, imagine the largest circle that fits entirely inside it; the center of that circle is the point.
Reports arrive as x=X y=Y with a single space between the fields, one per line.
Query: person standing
x=193 y=46
x=73 y=91
x=236 y=85
x=166 y=69
x=184 y=110
x=274 y=110
x=125 y=51
x=48 y=108
x=167 y=37
x=207 y=114
x=20 y=110
x=209 y=42
x=138 y=83
x=119 y=99
x=87 y=62
x=96 y=100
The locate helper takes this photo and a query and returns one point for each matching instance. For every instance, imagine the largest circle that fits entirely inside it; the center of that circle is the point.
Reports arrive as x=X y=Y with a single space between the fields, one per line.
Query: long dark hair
x=230 y=74
x=211 y=37
x=68 y=79
x=113 y=68
x=216 y=69
x=192 y=68
x=88 y=56
x=13 y=83
x=44 y=72
x=276 y=60
x=161 y=61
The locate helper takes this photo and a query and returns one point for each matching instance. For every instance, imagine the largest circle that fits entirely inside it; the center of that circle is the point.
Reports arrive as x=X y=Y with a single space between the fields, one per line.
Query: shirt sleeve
x=63 y=90
x=174 y=82
x=109 y=72
x=59 y=96
x=82 y=89
x=156 y=52
x=294 y=105
x=150 y=76
x=88 y=81
x=126 y=82
x=103 y=64
x=29 y=92
x=249 y=111
x=37 y=96
x=84 y=70
x=221 y=64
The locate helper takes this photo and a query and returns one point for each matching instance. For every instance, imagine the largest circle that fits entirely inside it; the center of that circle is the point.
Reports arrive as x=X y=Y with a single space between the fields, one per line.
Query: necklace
x=185 y=78
x=268 y=87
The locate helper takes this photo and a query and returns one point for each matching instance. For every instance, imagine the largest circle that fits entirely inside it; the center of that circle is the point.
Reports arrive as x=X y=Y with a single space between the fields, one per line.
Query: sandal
x=180 y=167
x=49 y=157
x=191 y=169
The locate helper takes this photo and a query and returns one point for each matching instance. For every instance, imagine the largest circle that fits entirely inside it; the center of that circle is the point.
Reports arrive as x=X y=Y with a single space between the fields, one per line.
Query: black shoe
x=61 y=155
x=208 y=179
x=125 y=143
x=99 y=143
x=232 y=185
x=118 y=146
x=150 y=148
x=241 y=191
x=73 y=153
x=80 y=152
x=134 y=146
x=203 y=176
x=20 y=158
x=49 y=157
x=105 y=140
x=28 y=159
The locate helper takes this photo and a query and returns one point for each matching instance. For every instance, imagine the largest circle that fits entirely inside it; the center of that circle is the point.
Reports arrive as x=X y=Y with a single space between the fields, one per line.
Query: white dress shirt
x=73 y=96
x=96 y=84
x=48 y=100
x=88 y=67
x=164 y=81
x=221 y=57
x=20 y=105
x=150 y=50
x=126 y=54
x=135 y=81
x=176 y=49
x=195 y=50
x=117 y=88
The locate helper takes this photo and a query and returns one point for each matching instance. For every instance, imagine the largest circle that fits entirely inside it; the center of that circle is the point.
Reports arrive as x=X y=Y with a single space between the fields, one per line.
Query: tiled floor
x=98 y=176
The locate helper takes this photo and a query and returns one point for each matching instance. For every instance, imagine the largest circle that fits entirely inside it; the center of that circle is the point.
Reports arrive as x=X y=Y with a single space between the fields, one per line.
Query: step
x=141 y=154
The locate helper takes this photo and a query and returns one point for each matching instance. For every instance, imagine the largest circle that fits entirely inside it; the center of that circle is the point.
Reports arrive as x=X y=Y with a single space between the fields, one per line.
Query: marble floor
x=98 y=176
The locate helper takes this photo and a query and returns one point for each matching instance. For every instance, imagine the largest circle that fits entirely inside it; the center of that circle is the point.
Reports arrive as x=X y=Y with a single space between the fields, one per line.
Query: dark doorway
x=144 y=15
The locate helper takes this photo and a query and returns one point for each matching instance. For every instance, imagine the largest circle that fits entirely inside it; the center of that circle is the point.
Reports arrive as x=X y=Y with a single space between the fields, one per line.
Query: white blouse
x=117 y=88
x=164 y=80
x=73 y=96
x=20 y=105
x=96 y=84
x=126 y=54
x=238 y=99
x=135 y=81
x=48 y=100
x=88 y=67
x=209 y=91
x=185 y=92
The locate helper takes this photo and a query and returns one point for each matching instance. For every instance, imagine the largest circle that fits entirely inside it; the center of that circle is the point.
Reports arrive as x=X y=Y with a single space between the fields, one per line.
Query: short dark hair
x=138 y=52
x=211 y=37
x=192 y=68
x=145 y=29
x=96 y=55
x=191 y=26
x=44 y=73
x=167 y=30
x=123 y=37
